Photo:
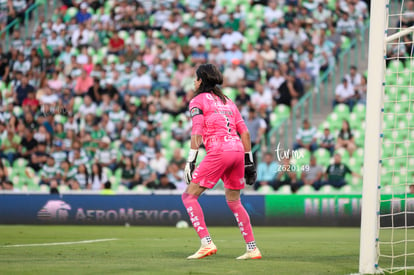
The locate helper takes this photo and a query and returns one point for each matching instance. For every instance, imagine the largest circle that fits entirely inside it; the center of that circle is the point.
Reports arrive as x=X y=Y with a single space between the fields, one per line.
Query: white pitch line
x=63 y=243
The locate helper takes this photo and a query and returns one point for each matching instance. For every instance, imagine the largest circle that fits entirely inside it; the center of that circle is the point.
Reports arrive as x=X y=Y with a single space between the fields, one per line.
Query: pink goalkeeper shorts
x=225 y=165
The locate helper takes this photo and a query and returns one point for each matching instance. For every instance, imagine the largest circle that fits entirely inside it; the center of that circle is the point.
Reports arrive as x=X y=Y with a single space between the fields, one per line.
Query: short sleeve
x=347 y=170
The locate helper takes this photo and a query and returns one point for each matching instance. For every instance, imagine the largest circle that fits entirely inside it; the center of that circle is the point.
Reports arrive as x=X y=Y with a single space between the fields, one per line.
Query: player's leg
x=204 y=177
x=234 y=181
x=243 y=221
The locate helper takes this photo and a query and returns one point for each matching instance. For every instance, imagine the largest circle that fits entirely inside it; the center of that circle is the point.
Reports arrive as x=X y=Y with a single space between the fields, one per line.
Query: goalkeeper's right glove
x=190 y=165
x=249 y=169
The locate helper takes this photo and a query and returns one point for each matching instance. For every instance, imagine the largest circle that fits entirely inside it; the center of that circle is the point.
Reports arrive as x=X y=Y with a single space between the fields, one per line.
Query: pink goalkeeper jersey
x=217 y=123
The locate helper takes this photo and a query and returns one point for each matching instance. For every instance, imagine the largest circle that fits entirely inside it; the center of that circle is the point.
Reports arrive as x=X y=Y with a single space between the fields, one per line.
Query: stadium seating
x=253 y=16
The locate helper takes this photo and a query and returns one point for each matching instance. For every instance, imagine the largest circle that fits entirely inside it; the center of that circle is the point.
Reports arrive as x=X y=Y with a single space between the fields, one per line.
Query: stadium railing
x=305 y=107
x=27 y=22
x=6 y=32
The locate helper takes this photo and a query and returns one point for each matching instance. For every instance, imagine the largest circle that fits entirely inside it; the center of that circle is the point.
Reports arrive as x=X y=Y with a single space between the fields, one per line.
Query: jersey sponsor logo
x=195 y=111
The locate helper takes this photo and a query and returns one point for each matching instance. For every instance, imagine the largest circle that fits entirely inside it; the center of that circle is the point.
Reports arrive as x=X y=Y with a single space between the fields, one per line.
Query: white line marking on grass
x=63 y=243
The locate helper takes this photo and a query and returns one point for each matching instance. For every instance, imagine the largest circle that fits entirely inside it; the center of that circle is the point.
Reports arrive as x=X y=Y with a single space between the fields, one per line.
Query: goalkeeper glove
x=190 y=165
x=249 y=169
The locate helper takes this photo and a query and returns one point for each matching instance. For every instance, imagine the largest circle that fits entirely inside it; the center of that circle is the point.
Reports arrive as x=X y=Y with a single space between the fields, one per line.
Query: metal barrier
x=15 y=23
x=6 y=32
x=27 y=15
x=321 y=86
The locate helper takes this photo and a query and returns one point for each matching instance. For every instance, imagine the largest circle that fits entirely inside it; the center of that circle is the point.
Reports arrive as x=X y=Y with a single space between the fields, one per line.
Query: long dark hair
x=211 y=77
x=348 y=131
x=99 y=171
x=86 y=173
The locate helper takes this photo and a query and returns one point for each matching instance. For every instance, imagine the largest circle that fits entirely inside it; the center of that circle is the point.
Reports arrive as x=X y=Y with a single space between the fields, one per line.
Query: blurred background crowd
x=96 y=96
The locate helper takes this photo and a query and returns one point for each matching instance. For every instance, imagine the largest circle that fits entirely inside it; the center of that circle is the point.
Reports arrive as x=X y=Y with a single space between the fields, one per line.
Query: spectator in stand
x=57 y=153
x=95 y=91
x=144 y=175
x=290 y=91
x=83 y=15
x=178 y=159
x=106 y=156
x=261 y=97
x=252 y=74
x=61 y=50
x=98 y=177
x=176 y=176
x=335 y=173
x=345 y=93
x=7 y=185
x=159 y=163
x=82 y=179
x=140 y=85
x=197 y=39
x=4 y=68
x=21 y=65
x=233 y=76
x=267 y=54
x=23 y=90
x=128 y=173
x=362 y=91
x=287 y=176
x=313 y=175
x=327 y=141
x=354 y=78
x=49 y=172
x=3 y=173
x=231 y=38
x=346 y=138
x=199 y=55
x=335 y=38
x=180 y=133
x=83 y=83
x=306 y=137
x=275 y=81
x=165 y=183
x=346 y=25
x=39 y=157
x=10 y=143
x=67 y=173
x=266 y=171
x=273 y=13
x=407 y=14
x=321 y=17
x=305 y=75
x=88 y=107
x=31 y=102
x=257 y=128
x=116 y=44
x=28 y=145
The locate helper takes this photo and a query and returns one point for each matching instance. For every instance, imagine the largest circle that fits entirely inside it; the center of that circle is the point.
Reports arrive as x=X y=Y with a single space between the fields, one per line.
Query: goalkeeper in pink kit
x=218 y=123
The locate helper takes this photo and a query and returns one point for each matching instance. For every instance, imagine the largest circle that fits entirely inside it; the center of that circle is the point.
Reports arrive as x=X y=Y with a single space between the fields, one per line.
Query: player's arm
x=196 y=139
x=250 y=174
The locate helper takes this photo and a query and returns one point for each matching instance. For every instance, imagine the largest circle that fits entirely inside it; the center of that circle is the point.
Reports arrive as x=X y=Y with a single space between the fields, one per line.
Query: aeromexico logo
x=59 y=211
x=54 y=210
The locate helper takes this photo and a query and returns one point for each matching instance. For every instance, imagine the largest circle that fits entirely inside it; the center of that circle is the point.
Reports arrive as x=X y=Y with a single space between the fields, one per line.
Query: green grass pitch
x=163 y=250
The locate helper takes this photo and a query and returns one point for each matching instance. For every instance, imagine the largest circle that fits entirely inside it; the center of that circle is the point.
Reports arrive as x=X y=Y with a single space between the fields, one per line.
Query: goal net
x=389 y=172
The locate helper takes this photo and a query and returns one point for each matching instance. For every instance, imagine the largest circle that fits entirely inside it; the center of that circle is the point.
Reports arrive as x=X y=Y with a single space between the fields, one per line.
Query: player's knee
x=186 y=197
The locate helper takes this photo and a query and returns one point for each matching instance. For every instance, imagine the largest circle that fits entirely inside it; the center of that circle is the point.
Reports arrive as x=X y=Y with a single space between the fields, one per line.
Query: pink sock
x=196 y=214
x=242 y=219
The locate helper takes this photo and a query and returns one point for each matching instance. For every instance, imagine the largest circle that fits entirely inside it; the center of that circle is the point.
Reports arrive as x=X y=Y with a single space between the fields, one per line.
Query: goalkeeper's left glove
x=249 y=169
x=190 y=165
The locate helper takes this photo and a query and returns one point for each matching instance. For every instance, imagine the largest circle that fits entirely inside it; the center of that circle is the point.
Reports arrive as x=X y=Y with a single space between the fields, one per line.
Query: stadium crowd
x=98 y=94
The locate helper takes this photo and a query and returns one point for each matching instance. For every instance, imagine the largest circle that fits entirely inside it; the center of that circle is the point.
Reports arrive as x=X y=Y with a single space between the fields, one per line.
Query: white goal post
x=370 y=192
x=371 y=197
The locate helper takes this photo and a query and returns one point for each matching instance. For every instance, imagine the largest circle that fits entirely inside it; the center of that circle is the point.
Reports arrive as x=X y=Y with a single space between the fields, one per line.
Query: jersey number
x=228 y=123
